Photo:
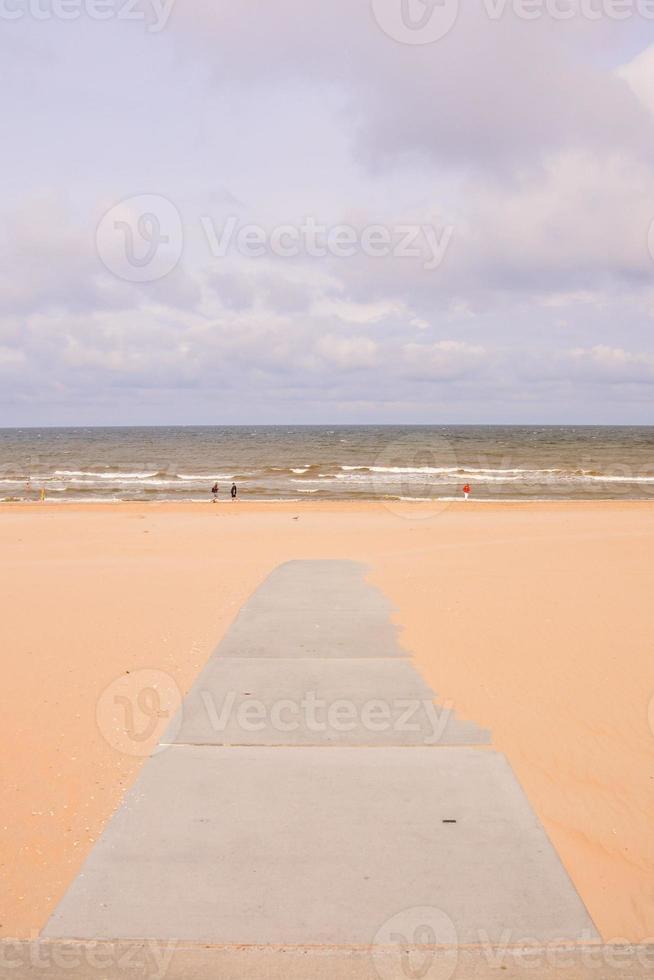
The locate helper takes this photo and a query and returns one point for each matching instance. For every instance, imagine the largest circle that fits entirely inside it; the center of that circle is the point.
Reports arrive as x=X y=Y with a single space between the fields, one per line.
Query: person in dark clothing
x=214 y=491
x=234 y=491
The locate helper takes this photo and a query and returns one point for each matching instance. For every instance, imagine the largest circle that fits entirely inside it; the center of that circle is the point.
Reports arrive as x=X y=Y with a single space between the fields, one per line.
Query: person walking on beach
x=233 y=491
x=466 y=491
x=214 y=491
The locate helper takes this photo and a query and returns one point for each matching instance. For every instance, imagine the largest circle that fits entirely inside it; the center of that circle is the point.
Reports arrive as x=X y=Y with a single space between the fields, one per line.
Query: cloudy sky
x=336 y=211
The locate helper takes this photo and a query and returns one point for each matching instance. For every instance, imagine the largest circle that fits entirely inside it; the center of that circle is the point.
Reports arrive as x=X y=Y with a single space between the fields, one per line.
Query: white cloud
x=348 y=352
x=445 y=360
x=613 y=365
x=639 y=76
x=356 y=312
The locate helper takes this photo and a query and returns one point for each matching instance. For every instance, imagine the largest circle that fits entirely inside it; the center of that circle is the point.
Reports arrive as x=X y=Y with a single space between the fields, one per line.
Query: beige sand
x=533 y=619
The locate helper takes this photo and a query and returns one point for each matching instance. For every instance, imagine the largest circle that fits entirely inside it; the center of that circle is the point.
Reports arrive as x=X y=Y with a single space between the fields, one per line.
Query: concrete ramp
x=296 y=802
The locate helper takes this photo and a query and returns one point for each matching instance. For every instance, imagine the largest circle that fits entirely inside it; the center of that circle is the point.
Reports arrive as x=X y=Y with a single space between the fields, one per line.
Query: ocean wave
x=160 y=477
x=452 y=470
x=488 y=475
x=206 y=477
x=356 y=478
x=359 y=473
x=619 y=479
x=126 y=483
x=105 y=475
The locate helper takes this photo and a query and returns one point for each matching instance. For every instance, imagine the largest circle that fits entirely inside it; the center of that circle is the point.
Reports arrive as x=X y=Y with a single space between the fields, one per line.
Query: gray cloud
x=491 y=94
x=524 y=137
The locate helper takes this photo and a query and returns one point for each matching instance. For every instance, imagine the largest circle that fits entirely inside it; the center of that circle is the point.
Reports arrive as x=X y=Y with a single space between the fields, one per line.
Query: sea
x=322 y=462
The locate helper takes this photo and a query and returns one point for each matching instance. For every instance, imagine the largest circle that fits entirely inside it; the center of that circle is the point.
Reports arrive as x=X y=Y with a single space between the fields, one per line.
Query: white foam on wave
x=619 y=479
x=199 y=477
x=126 y=483
x=104 y=476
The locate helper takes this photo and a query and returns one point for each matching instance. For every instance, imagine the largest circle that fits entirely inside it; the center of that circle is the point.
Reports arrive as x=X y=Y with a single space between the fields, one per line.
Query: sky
x=353 y=211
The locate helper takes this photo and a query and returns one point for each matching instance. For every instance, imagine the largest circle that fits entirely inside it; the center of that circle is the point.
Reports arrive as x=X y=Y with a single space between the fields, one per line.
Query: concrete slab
x=314 y=609
x=321 y=845
x=317 y=702
x=314 y=584
x=311 y=633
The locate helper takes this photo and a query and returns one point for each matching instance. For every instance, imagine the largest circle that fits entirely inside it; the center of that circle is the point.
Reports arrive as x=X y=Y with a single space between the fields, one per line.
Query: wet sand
x=533 y=619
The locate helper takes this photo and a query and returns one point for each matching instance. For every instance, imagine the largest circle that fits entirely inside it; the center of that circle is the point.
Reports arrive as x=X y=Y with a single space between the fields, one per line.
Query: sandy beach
x=533 y=619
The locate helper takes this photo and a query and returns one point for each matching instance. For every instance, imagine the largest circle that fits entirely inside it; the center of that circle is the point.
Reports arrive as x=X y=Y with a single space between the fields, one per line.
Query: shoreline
x=391 y=503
